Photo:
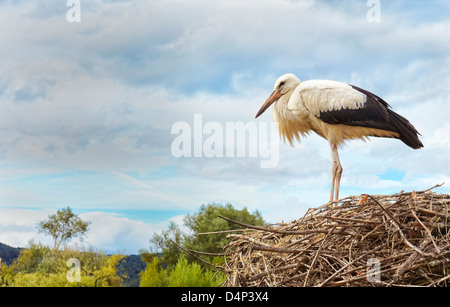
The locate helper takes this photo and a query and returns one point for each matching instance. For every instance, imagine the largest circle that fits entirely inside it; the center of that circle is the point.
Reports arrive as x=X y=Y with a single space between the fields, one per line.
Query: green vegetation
x=183 y=274
x=165 y=265
x=40 y=266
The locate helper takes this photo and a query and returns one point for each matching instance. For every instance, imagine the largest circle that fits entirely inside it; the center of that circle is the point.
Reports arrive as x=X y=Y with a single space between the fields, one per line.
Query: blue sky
x=86 y=108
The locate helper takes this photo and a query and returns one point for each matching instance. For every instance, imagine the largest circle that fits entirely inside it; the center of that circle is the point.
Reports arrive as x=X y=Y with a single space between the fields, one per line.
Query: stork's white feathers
x=324 y=95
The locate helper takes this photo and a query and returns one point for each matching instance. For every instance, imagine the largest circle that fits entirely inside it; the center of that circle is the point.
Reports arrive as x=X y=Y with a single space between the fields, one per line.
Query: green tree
x=208 y=221
x=63 y=226
x=205 y=221
x=163 y=243
x=154 y=275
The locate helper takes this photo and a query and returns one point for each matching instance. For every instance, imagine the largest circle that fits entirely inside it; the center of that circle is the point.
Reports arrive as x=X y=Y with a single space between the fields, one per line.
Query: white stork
x=337 y=112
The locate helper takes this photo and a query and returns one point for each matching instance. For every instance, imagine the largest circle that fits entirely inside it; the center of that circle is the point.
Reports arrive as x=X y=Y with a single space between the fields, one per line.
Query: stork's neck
x=280 y=108
x=292 y=118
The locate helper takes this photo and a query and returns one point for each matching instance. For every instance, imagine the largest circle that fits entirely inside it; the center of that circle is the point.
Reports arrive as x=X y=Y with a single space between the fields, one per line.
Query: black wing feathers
x=408 y=134
x=376 y=113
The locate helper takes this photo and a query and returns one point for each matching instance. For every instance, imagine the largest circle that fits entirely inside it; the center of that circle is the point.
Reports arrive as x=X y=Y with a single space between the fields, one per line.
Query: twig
x=287 y=267
x=405 y=266
x=426 y=230
x=389 y=214
x=315 y=258
x=222 y=231
x=439 y=281
x=192 y=254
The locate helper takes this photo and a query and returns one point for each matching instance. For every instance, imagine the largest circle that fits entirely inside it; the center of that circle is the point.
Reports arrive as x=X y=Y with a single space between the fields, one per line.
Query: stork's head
x=284 y=85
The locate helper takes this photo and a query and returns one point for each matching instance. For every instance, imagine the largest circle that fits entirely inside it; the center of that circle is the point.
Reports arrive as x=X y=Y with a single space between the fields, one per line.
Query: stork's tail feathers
x=408 y=134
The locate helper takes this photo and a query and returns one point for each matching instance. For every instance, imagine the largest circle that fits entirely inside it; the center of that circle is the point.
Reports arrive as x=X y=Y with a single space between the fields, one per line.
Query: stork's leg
x=333 y=176
x=338 y=178
x=336 y=173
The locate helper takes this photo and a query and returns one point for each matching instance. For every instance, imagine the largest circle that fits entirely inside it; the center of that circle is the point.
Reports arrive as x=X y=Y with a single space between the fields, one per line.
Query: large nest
x=368 y=240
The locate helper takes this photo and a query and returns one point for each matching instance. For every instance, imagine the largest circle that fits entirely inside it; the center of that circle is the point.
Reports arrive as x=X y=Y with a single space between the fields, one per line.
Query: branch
x=192 y=254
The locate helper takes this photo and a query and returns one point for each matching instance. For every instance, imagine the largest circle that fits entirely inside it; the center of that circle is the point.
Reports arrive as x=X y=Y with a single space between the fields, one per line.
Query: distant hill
x=129 y=269
x=8 y=253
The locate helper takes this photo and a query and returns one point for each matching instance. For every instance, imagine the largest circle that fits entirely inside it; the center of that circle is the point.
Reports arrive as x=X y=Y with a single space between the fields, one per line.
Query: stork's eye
x=282 y=83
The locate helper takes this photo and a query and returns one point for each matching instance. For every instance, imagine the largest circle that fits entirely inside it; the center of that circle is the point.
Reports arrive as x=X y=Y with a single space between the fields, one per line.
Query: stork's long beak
x=272 y=98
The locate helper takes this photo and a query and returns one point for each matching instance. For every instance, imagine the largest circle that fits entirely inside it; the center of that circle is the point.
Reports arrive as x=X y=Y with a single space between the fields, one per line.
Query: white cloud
x=112 y=233
x=19 y=226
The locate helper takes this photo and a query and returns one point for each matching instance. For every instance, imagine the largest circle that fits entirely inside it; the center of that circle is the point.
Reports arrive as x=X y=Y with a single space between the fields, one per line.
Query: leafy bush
x=184 y=274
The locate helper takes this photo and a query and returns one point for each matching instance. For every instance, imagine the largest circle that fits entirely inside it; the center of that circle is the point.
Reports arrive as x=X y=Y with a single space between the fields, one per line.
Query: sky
x=121 y=109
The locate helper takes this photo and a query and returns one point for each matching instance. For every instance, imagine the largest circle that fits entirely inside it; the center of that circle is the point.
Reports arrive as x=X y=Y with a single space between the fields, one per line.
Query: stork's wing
x=339 y=103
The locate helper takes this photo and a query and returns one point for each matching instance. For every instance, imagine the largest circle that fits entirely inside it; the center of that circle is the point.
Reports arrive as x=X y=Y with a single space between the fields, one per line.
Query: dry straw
x=368 y=240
